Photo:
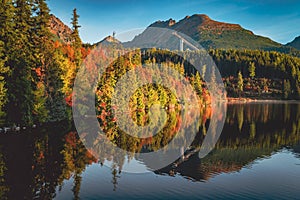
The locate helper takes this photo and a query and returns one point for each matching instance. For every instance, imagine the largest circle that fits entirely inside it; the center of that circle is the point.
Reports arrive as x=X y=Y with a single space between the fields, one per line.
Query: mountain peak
x=197 y=21
x=163 y=24
x=202 y=16
x=110 y=39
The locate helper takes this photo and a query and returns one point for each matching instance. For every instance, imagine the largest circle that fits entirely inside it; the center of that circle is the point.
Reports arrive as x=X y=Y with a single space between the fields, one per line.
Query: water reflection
x=36 y=164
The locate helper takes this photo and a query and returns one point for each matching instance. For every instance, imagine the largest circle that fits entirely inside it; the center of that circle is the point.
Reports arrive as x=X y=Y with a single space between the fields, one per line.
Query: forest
x=37 y=70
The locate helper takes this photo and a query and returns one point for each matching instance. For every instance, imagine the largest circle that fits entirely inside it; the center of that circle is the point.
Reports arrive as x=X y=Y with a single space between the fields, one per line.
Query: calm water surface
x=256 y=157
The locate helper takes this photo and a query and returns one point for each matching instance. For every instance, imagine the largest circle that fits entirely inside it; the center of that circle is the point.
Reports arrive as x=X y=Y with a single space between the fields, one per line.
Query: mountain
x=295 y=43
x=209 y=34
x=60 y=31
x=110 y=41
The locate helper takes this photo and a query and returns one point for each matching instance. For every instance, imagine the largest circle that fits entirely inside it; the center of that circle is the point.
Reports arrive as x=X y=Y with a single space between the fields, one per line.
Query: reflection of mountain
x=39 y=162
x=219 y=161
x=250 y=132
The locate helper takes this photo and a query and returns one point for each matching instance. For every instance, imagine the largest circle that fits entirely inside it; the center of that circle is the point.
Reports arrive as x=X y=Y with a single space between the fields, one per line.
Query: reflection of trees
x=75 y=159
x=40 y=161
x=265 y=129
x=3 y=187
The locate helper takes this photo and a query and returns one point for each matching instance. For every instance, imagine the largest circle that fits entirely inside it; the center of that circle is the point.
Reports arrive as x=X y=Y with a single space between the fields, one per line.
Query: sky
x=276 y=19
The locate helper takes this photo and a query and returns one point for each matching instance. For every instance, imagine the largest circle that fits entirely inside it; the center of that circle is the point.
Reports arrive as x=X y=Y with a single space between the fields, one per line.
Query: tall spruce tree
x=20 y=82
x=43 y=59
x=76 y=41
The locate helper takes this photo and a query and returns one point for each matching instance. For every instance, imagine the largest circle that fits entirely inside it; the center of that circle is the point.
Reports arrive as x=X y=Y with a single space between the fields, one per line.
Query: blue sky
x=277 y=19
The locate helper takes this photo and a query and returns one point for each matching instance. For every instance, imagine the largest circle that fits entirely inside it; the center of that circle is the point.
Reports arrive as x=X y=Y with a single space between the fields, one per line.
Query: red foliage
x=71 y=139
x=68 y=99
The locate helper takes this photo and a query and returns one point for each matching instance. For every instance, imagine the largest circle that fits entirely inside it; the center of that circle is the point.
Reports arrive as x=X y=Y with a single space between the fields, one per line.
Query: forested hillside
x=37 y=70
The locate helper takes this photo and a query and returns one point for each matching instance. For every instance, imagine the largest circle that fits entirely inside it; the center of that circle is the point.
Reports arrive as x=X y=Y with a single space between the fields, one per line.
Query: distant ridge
x=213 y=34
x=295 y=43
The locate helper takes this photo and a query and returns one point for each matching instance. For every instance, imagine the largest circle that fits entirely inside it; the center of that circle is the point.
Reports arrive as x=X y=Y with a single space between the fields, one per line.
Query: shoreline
x=232 y=100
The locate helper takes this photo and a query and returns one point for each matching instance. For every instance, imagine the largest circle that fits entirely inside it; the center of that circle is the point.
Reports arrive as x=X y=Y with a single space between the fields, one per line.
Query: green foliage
x=76 y=43
x=20 y=59
x=239 y=39
x=240 y=84
x=266 y=70
x=3 y=72
x=197 y=83
x=40 y=110
x=252 y=70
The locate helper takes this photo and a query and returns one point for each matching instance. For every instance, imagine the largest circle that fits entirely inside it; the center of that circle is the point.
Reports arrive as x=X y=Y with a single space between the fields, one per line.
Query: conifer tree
x=6 y=33
x=19 y=83
x=3 y=72
x=76 y=43
x=43 y=59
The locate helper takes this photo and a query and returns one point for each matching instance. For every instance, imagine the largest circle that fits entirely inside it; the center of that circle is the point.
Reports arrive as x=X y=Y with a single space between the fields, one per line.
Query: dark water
x=256 y=157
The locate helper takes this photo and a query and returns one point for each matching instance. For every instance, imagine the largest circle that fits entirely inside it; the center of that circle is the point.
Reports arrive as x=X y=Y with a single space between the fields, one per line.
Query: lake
x=256 y=157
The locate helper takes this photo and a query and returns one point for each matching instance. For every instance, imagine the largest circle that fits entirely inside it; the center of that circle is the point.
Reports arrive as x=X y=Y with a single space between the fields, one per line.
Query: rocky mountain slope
x=211 y=34
x=60 y=31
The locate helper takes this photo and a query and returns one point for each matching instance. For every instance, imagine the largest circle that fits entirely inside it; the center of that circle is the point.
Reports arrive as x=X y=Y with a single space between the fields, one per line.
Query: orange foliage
x=69 y=51
x=85 y=52
x=57 y=44
x=38 y=71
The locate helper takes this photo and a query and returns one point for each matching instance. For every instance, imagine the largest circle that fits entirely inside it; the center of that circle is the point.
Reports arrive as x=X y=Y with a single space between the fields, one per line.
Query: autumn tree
x=240 y=83
x=251 y=70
